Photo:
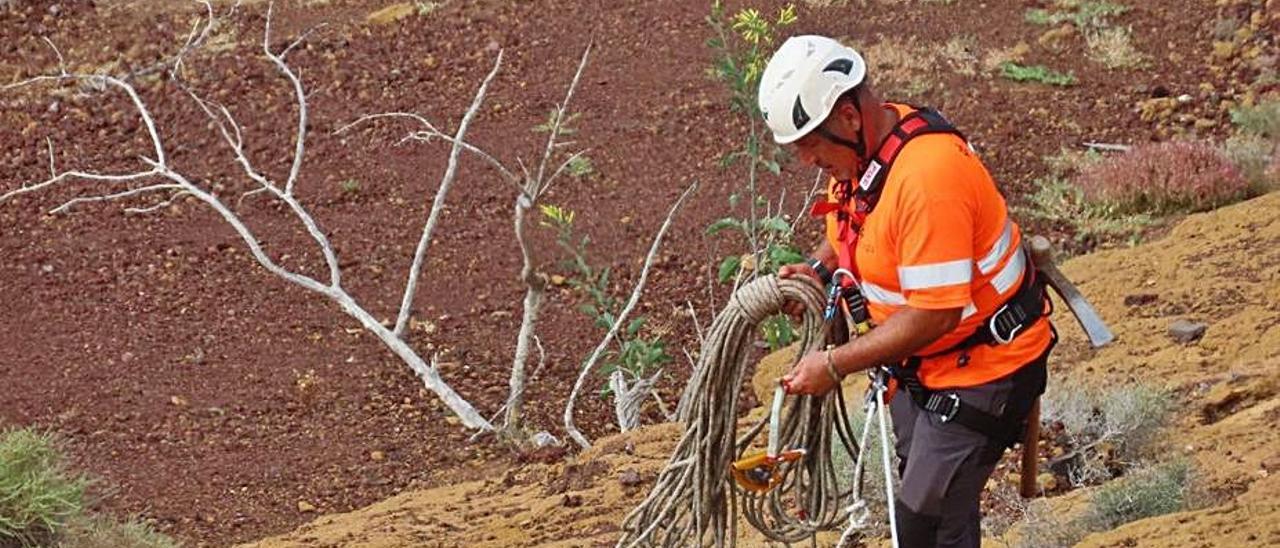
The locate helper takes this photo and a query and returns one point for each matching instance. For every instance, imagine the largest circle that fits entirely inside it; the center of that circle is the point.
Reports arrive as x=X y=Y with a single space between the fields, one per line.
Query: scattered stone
x=630 y=478
x=391 y=14
x=571 y=501
x=1186 y=331
x=558 y=280
x=178 y=401
x=377 y=456
x=425 y=326
x=545 y=439
x=1140 y=299
x=304 y=506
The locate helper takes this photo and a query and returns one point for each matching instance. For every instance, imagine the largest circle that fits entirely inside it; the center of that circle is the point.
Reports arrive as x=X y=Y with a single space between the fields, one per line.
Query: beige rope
x=695 y=501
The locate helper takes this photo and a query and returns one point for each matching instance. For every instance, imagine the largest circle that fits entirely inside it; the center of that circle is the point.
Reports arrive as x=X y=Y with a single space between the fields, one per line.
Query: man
x=914 y=216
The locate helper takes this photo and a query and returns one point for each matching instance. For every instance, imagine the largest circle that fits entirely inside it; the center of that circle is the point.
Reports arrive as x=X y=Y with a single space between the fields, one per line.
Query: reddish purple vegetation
x=1165 y=177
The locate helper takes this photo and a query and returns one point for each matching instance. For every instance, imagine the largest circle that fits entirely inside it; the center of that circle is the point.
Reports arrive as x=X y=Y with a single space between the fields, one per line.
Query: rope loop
x=695 y=501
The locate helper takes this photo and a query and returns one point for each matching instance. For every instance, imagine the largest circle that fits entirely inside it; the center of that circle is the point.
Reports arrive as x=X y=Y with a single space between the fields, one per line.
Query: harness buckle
x=954 y=400
x=1005 y=324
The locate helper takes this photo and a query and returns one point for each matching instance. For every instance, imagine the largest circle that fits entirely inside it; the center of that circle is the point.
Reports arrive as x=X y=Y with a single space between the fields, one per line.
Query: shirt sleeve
x=935 y=228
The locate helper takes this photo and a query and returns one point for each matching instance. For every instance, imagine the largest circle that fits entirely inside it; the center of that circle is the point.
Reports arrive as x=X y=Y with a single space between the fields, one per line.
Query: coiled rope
x=694 y=500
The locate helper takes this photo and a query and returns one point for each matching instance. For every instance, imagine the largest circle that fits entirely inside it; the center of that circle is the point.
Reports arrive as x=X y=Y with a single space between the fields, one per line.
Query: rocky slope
x=1221 y=269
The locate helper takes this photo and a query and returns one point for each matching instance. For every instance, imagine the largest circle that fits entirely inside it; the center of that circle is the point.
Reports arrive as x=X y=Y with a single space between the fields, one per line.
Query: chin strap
x=860 y=148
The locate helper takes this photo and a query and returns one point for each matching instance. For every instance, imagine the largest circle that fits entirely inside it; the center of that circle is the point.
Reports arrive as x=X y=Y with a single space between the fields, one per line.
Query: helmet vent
x=798 y=115
x=843 y=66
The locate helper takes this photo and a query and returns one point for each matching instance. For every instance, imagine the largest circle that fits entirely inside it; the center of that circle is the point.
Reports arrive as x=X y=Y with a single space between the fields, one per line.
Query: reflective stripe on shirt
x=930 y=275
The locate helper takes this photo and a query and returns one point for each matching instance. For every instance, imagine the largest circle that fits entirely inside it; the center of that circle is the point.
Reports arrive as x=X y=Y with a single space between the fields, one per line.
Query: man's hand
x=809 y=376
x=797 y=270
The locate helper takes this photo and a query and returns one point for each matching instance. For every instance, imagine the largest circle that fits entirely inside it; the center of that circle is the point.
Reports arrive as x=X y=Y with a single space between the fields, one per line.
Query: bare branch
x=53 y=170
x=194 y=39
x=437 y=205
x=62 y=63
x=432 y=133
x=542 y=356
x=157 y=206
x=808 y=199
x=1109 y=147
x=662 y=406
x=236 y=144
x=693 y=316
x=299 y=147
x=547 y=185
x=540 y=182
x=106 y=178
x=114 y=196
x=240 y=200
x=301 y=39
x=620 y=320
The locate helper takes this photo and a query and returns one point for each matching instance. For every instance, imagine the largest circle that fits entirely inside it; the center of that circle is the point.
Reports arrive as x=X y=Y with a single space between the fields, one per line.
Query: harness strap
x=866 y=194
x=1005 y=429
x=1024 y=308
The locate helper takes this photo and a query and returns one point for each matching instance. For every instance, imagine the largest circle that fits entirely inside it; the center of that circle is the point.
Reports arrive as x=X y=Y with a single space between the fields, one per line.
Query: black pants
x=944 y=467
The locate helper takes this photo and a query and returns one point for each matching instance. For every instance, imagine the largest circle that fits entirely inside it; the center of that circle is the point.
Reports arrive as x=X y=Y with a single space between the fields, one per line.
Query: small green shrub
x=580 y=166
x=638 y=355
x=425 y=7
x=1113 y=48
x=101 y=532
x=1262 y=119
x=1035 y=73
x=1081 y=14
x=349 y=186
x=778 y=332
x=1152 y=491
x=1107 y=428
x=38 y=495
x=1257 y=158
x=1169 y=177
x=1043 y=526
x=1058 y=200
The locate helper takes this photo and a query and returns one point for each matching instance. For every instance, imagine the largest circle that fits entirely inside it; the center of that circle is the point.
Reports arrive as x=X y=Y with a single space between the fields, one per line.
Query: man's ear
x=847 y=113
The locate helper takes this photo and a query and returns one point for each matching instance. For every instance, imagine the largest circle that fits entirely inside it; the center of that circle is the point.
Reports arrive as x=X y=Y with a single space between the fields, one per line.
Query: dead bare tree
x=530 y=187
x=177 y=185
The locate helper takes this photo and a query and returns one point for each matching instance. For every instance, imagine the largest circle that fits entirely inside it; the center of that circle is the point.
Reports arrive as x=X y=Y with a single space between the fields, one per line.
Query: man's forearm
x=902 y=335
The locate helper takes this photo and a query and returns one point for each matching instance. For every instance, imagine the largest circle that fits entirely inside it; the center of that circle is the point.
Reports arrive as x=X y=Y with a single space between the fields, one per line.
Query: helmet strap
x=858 y=148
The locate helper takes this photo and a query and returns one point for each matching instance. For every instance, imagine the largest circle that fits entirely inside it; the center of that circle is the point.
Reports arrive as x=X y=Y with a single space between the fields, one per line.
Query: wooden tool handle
x=1041 y=250
x=1031 y=453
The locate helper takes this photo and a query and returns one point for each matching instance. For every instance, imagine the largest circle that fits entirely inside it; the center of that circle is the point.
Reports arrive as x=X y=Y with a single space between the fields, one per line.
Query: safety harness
x=1020 y=311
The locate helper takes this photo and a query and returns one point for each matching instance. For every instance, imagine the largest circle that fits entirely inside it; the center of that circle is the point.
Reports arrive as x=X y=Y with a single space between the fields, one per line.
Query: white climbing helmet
x=802 y=82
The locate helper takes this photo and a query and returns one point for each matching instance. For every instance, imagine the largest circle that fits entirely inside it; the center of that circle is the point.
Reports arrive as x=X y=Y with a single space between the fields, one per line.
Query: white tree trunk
x=535 y=290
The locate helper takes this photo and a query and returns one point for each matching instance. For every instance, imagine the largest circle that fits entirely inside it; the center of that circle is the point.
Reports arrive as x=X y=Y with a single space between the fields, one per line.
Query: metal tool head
x=1094 y=328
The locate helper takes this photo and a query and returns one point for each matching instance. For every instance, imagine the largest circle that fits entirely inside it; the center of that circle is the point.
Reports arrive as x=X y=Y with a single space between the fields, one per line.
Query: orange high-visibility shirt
x=941 y=237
